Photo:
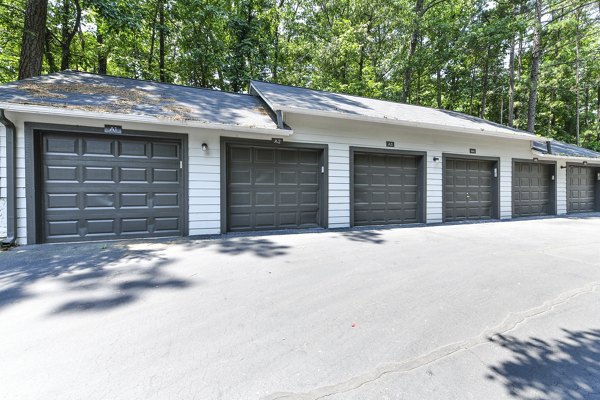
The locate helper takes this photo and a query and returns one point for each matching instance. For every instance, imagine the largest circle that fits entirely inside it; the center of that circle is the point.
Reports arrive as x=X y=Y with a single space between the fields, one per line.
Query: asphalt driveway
x=476 y=311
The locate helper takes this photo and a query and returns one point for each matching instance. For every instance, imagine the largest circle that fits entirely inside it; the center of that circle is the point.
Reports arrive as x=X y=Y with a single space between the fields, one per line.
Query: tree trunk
x=414 y=40
x=472 y=91
x=48 y=54
x=153 y=38
x=276 y=50
x=484 y=88
x=161 y=42
x=598 y=111
x=577 y=112
x=586 y=107
x=511 y=84
x=67 y=35
x=535 y=66
x=34 y=39
x=102 y=59
x=438 y=95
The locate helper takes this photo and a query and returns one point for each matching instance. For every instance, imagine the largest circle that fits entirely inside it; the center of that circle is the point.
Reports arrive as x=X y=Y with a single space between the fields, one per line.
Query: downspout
x=11 y=187
x=549 y=147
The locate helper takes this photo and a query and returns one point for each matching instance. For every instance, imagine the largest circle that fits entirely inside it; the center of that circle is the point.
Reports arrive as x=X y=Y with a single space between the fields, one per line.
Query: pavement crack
x=512 y=321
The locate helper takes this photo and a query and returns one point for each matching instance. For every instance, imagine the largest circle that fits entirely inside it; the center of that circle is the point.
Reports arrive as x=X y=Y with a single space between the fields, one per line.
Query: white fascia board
x=133 y=118
x=412 y=124
x=558 y=157
x=263 y=98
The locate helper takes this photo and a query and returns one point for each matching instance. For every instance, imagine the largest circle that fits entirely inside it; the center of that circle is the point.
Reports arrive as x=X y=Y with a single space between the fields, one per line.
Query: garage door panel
x=385 y=188
x=94 y=194
x=284 y=194
x=286 y=177
x=98 y=147
x=133 y=174
x=62 y=200
x=532 y=189
x=264 y=156
x=134 y=200
x=133 y=149
x=167 y=224
x=240 y=155
x=63 y=145
x=308 y=178
x=60 y=173
x=100 y=226
x=134 y=225
x=96 y=200
x=262 y=199
x=582 y=188
x=165 y=175
x=98 y=174
x=165 y=151
x=166 y=200
x=289 y=157
x=264 y=220
x=469 y=192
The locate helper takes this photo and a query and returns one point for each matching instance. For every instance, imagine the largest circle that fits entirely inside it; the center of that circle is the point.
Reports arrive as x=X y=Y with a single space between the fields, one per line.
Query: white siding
x=434 y=187
x=561 y=187
x=204 y=167
x=505 y=187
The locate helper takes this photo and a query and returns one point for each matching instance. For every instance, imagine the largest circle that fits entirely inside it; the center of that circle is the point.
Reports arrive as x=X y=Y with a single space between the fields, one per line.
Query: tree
x=535 y=66
x=34 y=39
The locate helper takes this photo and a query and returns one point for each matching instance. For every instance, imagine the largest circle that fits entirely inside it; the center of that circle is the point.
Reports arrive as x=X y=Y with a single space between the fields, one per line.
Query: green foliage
x=359 y=47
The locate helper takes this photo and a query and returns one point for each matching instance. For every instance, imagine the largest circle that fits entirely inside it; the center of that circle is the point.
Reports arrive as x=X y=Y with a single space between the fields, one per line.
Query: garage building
x=92 y=157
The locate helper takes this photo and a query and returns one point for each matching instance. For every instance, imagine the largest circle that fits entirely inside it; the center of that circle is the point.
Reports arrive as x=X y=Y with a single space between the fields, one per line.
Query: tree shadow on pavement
x=261 y=247
x=105 y=276
x=566 y=368
x=364 y=236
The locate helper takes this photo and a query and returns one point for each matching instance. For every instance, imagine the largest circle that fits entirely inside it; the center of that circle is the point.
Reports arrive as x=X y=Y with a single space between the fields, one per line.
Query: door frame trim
x=512 y=184
x=33 y=163
x=496 y=187
x=596 y=190
x=324 y=181
x=422 y=177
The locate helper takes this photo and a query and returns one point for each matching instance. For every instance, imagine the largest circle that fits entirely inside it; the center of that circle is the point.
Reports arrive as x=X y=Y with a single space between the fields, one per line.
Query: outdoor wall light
x=563 y=167
x=436 y=159
x=204 y=147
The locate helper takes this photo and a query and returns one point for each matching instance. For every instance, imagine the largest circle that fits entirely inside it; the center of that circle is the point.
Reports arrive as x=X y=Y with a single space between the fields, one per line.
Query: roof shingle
x=106 y=94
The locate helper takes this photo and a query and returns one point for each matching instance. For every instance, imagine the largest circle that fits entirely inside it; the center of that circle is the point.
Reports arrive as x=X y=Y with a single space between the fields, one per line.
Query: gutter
x=11 y=187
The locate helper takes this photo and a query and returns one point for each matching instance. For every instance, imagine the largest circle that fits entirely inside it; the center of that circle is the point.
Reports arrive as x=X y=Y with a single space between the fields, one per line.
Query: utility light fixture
x=436 y=159
x=204 y=147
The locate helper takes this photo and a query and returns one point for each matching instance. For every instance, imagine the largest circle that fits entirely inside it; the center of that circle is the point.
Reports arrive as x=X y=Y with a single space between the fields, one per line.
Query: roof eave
x=412 y=124
x=134 y=118
x=563 y=157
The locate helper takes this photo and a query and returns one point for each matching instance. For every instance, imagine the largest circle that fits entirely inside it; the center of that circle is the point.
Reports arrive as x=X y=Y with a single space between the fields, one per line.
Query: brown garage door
x=270 y=188
x=533 y=189
x=582 y=189
x=470 y=189
x=105 y=187
x=386 y=188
